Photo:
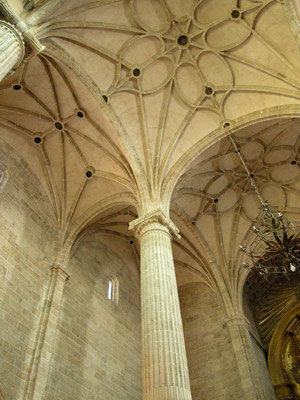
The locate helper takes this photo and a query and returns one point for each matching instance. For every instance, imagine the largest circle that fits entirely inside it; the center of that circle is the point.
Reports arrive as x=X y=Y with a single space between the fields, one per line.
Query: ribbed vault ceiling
x=129 y=93
x=219 y=203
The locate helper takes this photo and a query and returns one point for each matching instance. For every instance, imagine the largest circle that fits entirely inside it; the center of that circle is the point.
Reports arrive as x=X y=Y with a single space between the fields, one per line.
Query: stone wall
x=212 y=366
x=26 y=253
x=97 y=353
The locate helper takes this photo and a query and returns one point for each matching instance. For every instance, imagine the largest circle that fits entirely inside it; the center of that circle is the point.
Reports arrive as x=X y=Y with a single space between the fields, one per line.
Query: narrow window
x=113 y=289
x=109 y=296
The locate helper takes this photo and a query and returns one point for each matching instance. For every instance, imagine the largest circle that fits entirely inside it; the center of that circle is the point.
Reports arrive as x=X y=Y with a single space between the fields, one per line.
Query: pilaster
x=238 y=327
x=39 y=371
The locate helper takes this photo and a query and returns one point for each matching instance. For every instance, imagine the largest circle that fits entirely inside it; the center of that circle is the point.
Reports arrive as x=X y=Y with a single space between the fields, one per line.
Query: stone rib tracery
x=166 y=81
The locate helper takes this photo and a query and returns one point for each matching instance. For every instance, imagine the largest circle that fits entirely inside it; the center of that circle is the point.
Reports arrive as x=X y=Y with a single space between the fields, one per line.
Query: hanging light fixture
x=275 y=248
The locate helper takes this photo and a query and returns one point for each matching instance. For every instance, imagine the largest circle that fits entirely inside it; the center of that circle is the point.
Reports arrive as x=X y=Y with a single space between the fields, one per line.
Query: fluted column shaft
x=165 y=370
x=13 y=36
x=11 y=48
x=243 y=351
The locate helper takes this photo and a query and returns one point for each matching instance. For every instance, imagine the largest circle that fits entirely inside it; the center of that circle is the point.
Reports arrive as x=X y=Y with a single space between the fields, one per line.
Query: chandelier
x=275 y=248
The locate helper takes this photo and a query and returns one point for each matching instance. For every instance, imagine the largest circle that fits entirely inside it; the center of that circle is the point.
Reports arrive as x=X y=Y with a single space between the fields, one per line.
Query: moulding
x=154 y=217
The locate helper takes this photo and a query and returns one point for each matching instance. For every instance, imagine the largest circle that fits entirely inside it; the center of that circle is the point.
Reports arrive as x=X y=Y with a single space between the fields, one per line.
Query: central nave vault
x=127 y=95
x=128 y=109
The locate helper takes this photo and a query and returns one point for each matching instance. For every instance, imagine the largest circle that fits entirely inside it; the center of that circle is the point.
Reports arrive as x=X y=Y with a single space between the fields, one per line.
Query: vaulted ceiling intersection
x=126 y=92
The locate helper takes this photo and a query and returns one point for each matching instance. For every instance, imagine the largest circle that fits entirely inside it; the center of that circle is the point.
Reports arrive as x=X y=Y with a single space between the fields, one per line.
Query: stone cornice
x=154 y=217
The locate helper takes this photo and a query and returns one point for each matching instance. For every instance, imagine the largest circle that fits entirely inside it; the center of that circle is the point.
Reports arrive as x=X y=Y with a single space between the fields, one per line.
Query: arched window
x=113 y=289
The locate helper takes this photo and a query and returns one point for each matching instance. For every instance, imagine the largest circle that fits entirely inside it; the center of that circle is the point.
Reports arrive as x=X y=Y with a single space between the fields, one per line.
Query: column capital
x=18 y=37
x=154 y=220
x=7 y=11
x=237 y=319
x=61 y=273
x=21 y=27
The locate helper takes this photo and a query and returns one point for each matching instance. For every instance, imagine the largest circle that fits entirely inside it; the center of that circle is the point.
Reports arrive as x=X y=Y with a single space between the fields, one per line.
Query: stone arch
x=182 y=165
x=122 y=199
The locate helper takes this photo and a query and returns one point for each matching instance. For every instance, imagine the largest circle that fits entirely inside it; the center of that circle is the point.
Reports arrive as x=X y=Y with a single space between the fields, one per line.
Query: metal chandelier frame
x=275 y=248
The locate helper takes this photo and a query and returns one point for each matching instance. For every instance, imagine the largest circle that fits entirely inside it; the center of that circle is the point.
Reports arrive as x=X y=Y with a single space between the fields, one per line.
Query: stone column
x=12 y=48
x=165 y=370
x=244 y=355
x=40 y=366
x=13 y=35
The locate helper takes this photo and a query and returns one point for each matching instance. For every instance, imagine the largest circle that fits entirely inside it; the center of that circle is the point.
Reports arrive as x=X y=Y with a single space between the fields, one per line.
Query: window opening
x=109 y=296
x=113 y=289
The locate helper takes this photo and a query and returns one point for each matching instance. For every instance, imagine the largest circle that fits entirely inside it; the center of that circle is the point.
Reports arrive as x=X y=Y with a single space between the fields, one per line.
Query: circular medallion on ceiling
x=90 y=172
x=235 y=14
x=183 y=41
x=58 y=125
x=38 y=139
x=226 y=124
x=208 y=90
x=80 y=113
x=136 y=72
x=17 y=87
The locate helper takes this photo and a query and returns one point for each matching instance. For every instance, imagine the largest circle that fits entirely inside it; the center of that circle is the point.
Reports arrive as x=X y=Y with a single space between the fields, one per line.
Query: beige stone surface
x=97 y=350
x=212 y=365
x=26 y=252
x=119 y=109
x=165 y=371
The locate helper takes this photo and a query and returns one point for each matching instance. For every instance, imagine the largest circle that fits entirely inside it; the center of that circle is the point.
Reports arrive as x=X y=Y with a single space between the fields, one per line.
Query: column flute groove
x=165 y=370
x=12 y=48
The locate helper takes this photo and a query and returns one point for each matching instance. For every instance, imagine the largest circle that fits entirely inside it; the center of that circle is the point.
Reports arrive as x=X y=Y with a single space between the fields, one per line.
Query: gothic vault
x=123 y=201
